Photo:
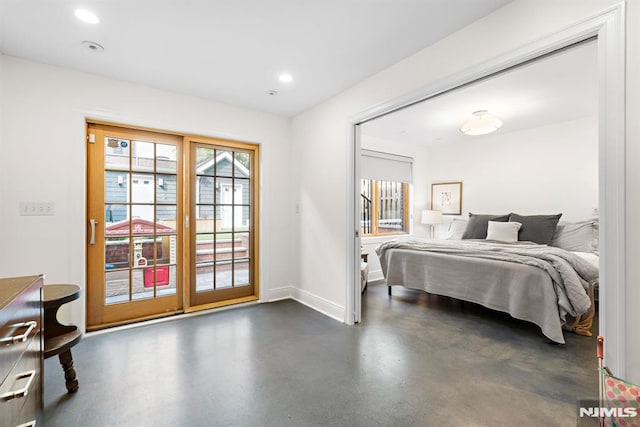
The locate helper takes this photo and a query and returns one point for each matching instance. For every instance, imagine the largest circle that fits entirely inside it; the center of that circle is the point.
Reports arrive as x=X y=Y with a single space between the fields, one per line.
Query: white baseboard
x=376 y=275
x=278 y=294
x=320 y=304
x=315 y=302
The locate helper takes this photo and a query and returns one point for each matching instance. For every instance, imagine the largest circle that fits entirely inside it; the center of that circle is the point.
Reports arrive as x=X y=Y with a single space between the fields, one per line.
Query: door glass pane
x=142 y=219
x=143 y=253
x=166 y=158
x=224 y=274
x=116 y=187
x=204 y=276
x=163 y=278
x=116 y=253
x=243 y=162
x=242 y=217
x=142 y=283
x=166 y=217
x=116 y=214
x=205 y=164
x=142 y=188
x=143 y=156
x=116 y=153
x=241 y=245
x=116 y=286
x=166 y=189
x=241 y=273
x=224 y=163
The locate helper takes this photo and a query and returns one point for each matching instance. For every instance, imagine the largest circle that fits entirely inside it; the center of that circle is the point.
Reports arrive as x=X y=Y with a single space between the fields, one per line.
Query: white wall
x=320 y=139
x=42 y=134
x=545 y=170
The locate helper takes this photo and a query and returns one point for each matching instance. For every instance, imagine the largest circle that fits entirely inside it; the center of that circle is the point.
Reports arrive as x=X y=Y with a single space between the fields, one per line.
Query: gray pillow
x=536 y=228
x=477 y=225
x=575 y=236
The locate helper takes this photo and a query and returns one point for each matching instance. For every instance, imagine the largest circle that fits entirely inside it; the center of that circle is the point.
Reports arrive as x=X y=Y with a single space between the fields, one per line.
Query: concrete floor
x=416 y=360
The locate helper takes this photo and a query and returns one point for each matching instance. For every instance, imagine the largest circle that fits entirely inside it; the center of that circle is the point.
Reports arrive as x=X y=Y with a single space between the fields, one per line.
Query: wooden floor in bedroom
x=415 y=360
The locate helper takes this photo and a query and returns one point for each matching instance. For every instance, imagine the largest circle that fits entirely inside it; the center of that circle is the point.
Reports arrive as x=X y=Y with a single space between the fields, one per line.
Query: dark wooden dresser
x=21 y=351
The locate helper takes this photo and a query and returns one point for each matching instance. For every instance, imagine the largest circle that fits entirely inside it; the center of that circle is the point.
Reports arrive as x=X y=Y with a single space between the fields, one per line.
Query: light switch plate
x=37 y=208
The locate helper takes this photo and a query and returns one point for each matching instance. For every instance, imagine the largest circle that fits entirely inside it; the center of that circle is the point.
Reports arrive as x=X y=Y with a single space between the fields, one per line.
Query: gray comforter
x=532 y=282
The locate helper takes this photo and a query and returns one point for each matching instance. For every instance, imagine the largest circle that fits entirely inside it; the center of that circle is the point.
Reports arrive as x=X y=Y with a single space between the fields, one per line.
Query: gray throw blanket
x=568 y=271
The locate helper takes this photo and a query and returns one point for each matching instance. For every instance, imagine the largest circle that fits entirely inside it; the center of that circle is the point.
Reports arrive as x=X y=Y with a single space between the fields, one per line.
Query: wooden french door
x=134 y=205
x=172 y=224
x=224 y=222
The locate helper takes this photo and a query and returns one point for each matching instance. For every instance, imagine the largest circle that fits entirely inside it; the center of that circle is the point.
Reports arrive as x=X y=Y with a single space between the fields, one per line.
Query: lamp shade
x=431 y=217
x=481 y=123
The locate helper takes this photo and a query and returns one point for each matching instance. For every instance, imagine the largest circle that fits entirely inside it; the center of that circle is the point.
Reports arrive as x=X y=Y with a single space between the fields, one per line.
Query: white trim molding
x=277 y=294
x=609 y=28
x=320 y=304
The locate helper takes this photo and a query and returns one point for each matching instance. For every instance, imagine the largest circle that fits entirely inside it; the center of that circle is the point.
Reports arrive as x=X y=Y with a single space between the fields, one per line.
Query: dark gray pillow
x=477 y=225
x=536 y=228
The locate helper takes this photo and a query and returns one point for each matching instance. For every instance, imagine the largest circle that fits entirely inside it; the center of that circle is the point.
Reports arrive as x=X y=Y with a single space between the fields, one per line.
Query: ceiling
x=553 y=89
x=233 y=51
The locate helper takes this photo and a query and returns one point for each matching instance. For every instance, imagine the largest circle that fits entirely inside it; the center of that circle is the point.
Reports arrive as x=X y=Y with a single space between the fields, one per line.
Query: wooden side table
x=59 y=338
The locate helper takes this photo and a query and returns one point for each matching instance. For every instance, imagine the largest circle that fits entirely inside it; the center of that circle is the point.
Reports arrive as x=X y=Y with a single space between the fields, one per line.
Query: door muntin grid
x=223 y=202
x=140 y=203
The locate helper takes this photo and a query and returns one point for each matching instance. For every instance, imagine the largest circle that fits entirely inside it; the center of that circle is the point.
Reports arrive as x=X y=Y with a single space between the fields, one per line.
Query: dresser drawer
x=20 y=322
x=22 y=385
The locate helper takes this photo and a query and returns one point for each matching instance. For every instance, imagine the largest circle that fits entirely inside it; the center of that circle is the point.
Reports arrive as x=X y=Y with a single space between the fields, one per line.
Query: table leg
x=66 y=360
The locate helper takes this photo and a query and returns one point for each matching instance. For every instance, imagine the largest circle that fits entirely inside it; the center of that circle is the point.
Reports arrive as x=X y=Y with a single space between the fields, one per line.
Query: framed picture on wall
x=446 y=197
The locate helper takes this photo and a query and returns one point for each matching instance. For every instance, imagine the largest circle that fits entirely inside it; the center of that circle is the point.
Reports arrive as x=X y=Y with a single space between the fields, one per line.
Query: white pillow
x=456 y=229
x=503 y=231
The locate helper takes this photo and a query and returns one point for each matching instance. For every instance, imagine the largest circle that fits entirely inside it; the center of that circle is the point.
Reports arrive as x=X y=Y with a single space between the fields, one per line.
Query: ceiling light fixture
x=481 y=123
x=285 y=78
x=86 y=16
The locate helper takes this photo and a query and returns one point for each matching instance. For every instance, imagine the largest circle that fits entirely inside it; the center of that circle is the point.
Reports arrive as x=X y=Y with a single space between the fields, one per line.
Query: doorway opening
x=608 y=30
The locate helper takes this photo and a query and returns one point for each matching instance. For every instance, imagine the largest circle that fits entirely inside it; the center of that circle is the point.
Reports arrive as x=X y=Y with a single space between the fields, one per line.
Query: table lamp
x=430 y=218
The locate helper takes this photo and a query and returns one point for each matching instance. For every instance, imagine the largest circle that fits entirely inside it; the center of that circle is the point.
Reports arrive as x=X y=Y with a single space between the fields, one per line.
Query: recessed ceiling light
x=86 y=16
x=285 y=78
x=92 y=46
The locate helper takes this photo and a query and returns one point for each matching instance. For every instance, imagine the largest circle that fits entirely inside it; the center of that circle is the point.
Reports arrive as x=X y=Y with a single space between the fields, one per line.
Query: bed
x=549 y=286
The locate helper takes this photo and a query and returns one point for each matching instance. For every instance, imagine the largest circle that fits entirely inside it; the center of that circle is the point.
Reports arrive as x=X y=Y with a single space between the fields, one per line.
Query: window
x=384 y=207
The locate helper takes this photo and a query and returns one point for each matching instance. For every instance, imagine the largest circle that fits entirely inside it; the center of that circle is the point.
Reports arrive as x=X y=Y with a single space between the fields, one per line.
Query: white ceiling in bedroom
x=554 y=89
